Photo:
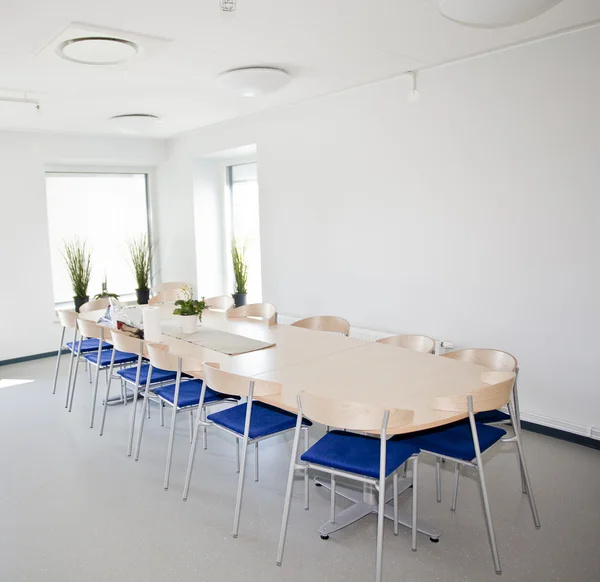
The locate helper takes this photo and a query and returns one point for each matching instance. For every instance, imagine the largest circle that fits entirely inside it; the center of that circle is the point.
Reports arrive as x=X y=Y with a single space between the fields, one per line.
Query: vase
x=239 y=299
x=143 y=296
x=188 y=323
x=79 y=301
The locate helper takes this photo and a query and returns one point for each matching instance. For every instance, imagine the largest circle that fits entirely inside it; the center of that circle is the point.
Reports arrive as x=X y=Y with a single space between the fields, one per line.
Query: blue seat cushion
x=265 y=419
x=356 y=453
x=189 y=394
x=455 y=440
x=158 y=375
x=492 y=416
x=106 y=355
x=88 y=345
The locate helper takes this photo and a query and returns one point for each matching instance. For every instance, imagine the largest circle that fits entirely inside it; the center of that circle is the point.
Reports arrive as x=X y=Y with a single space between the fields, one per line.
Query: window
x=245 y=223
x=105 y=210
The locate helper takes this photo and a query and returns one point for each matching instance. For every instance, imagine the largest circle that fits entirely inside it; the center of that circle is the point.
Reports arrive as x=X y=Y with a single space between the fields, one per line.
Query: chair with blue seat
x=185 y=395
x=464 y=443
x=368 y=459
x=250 y=422
x=101 y=359
x=501 y=362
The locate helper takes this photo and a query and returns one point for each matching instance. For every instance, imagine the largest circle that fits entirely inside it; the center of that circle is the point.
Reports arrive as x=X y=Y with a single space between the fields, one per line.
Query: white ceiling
x=327 y=45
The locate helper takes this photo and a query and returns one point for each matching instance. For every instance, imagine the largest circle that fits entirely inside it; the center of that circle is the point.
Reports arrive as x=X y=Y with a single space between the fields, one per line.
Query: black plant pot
x=143 y=296
x=239 y=299
x=79 y=301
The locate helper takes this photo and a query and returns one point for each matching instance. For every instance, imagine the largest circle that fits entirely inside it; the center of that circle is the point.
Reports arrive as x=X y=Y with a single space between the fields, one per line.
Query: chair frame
x=68 y=320
x=325 y=323
x=234 y=387
x=378 y=483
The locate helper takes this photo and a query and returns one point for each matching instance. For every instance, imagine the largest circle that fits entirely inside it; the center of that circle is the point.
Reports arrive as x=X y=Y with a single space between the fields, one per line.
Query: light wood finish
x=234 y=384
x=94 y=305
x=161 y=358
x=167 y=286
x=359 y=416
x=67 y=318
x=329 y=323
x=126 y=343
x=492 y=359
x=419 y=343
x=223 y=302
x=91 y=329
x=265 y=311
x=494 y=392
x=166 y=296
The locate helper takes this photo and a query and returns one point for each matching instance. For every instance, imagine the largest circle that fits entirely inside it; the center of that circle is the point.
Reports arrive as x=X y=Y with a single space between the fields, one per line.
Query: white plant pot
x=188 y=323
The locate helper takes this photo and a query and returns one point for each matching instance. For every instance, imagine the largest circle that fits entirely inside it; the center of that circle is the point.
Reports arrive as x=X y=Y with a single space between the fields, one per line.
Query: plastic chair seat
x=264 y=421
x=492 y=416
x=158 y=375
x=189 y=394
x=358 y=454
x=88 y=345
x=455 y=441
x=106 y=355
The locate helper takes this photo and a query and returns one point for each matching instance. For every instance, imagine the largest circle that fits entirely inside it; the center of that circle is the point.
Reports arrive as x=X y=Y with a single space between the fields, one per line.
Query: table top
x=336 y=366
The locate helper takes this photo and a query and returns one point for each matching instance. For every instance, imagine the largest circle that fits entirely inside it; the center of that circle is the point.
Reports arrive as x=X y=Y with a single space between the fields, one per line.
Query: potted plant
x=79 y=264
x=105 y=292
x=189 y=309
x=141 y=254
x=240 y=272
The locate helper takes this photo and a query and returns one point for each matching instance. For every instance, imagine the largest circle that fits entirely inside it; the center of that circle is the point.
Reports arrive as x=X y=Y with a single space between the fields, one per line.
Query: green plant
x=79 y=264
x=105 y=292
x=240 y=267
x=141 y=253
x=187 y=305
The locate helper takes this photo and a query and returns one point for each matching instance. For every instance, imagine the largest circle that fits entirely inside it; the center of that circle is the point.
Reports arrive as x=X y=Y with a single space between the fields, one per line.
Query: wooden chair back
x=169 y=285
x=95 y=305
x=67 y=318
x=161 y=358
x=236 y=385
x=494 y=392
x=492 y=359
x=329 y=323
x=125 y=343
x=263 y=310
x=418 y=343
x=91 y=329
x=350 y=415
x=223 y=302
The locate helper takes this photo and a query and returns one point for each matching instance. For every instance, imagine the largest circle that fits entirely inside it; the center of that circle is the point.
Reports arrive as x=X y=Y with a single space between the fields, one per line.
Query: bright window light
x=6 y=383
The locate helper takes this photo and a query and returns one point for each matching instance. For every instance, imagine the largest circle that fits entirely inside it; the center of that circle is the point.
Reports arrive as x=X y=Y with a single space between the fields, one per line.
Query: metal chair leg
x=395 y=481
x=256 y=461
x=190 y=468
x=332 y=500
x=456 y=478
x=112 y=363
x=96 y=384
x=143 y=416
x=162 y=413
x=415 y=502
x=60 y=345
x=204 y=430
x=71 y=367
x=306 y=482
x=237 y=455
x=191 y=424
x=438 y=480
x=380 y=520
x=240 y=490
x=172 y=432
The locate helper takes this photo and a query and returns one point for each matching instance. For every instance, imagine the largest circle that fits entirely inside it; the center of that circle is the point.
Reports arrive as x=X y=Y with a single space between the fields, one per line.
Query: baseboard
x=563 y=435
x=30 y=358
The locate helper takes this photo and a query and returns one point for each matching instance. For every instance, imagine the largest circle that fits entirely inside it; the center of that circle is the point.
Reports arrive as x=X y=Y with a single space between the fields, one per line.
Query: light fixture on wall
x=97 y=50
x=253 y=81
x=414 y=94
x=135 y=122
x=227 y=5
x=493 y=13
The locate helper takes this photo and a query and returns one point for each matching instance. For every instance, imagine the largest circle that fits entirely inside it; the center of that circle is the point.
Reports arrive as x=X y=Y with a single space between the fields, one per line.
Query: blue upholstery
x=158 y=375
x=106 y=355
x=265 y=419
x=356 y=453
x=189 y=394
x=492 y=416
x=88 y=345
x=454 y=441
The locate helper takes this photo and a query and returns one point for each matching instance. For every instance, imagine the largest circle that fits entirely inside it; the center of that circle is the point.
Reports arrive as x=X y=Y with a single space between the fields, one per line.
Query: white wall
x=26 y=286
x=472 y=216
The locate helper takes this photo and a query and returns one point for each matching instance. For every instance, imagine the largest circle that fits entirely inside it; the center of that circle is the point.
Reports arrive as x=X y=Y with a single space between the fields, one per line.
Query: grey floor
x=74 y=507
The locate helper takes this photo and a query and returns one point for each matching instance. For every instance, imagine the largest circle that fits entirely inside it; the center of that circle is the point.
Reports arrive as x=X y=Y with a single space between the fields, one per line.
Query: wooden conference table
x=336 y=366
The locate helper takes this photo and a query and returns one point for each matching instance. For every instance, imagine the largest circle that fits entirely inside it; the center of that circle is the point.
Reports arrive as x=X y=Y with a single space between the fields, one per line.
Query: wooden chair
x=169 y=285
x=251 y=422
x=417 y=343
x=95 y=305
x=221 y=302
x=256 y=310
x=366 y=459
x=329 y=323
x=68 y=320
x=464 y=443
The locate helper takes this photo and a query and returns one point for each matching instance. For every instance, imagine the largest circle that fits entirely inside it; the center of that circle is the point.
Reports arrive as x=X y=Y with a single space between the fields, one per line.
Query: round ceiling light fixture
x=493 y=13
x=97 y=50
x=135 y=122
x=253 y=81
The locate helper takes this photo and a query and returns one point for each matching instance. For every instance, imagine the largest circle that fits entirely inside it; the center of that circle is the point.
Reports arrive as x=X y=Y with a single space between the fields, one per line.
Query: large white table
x=339 y=367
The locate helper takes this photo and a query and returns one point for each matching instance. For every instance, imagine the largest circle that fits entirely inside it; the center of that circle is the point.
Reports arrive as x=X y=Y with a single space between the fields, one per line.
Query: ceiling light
x=135 y=122
x=493 y=13
x=253 y=81
x=97 y=50
x=227 y=5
